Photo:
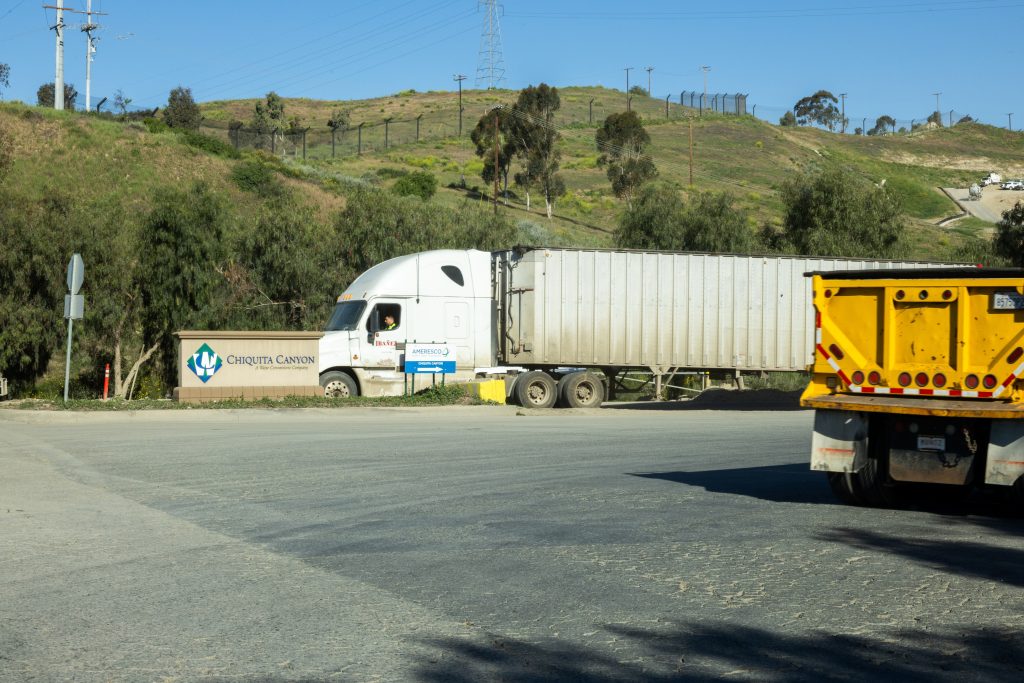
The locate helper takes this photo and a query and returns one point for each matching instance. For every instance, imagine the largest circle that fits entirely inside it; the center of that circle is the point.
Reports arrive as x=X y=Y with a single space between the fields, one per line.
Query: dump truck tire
x=843 y=485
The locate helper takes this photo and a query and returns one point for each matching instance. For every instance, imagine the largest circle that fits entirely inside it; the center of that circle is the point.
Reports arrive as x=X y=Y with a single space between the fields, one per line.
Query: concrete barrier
x=219 y=365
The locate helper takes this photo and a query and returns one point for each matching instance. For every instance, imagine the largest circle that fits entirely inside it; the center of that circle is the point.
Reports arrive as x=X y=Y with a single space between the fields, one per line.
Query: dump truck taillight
x=836 y=351
x=972 y=381
x=990 y=381
x=1015 y=355
x=904 y=379
x=874 y=377
x=947 y=295
x=939 y=380
x=921 y=379
x=858 y=377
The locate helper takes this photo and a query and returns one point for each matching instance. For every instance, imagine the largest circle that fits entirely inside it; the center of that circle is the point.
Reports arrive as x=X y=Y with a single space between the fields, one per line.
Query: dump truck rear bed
x=917 y=377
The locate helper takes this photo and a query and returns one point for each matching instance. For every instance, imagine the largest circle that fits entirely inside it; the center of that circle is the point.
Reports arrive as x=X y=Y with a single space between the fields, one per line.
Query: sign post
x=74 y=309
x=429 y=359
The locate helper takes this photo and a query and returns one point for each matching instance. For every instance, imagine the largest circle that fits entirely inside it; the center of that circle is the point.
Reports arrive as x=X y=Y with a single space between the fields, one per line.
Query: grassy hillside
x=740 y=155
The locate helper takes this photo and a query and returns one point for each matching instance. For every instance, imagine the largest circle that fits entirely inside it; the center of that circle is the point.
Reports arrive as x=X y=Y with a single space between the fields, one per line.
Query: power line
x=778 y=13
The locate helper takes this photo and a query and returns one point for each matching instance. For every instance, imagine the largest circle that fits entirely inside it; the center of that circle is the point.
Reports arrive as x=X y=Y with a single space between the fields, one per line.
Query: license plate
x=931 y=443
x=1007 y=301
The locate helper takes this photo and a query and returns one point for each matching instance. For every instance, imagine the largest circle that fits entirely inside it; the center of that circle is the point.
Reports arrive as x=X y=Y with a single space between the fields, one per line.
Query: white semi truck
x=557 y=324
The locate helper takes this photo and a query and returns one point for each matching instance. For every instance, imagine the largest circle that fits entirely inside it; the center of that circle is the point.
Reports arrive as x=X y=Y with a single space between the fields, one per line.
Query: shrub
x=418 y=183
x=252 y=176
x=209 y=144
x=154 y=125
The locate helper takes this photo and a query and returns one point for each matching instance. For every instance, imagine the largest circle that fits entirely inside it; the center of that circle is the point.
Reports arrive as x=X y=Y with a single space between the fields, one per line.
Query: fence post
x=273 y=142
x=418 y=127
x=591 y=109
x=304 y=131
x=359 y=146
x=334 y=132
x=666 y=104
x=387 y=124
x=754 y=113
x=950 y=118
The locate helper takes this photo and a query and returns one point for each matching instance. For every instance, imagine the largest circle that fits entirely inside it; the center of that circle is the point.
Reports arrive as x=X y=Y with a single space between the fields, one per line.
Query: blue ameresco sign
x=429 y=359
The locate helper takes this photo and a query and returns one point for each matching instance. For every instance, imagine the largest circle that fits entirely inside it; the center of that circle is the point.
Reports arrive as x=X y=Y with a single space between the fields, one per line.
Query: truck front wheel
x=536 y=389
x=337 y=384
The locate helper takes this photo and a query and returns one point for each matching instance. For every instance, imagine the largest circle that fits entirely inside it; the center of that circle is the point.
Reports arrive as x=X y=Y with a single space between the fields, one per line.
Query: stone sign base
x=207 y=394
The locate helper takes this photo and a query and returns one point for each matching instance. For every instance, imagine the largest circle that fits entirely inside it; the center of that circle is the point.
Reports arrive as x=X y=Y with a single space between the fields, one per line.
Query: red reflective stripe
x=842 y=376
x=868 y=390
x=1008 y=380
x=984 y=394
x=927 y=392
x=817 y=318
x=822 y=351
x=896 y=390
x=954 y=392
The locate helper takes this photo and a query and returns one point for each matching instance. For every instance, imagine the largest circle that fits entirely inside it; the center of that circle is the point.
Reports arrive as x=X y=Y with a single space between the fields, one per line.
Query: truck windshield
x=346 y=316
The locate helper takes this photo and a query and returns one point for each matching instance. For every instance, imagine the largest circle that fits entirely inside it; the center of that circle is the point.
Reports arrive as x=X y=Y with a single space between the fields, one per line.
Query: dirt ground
x=992 y=203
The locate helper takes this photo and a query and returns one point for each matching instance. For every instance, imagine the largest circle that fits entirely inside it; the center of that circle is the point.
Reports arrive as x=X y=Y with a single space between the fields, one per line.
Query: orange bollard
x=106 y=381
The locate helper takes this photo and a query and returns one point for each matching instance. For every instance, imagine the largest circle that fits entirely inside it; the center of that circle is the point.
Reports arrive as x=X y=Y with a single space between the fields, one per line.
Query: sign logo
x=205 y=363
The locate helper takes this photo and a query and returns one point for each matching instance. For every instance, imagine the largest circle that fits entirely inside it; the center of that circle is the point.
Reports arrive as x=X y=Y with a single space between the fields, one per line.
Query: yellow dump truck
x=918 y=382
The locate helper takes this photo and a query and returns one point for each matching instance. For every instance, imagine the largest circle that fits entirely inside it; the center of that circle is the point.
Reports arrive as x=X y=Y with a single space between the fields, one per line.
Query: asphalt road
x=478 y=544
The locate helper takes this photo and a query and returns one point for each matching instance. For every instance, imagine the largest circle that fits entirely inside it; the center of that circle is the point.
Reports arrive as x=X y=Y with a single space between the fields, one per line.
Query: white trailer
x=546 y=319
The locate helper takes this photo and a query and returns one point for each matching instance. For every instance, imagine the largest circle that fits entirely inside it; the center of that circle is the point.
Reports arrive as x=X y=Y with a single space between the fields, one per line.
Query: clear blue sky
x=888 y=56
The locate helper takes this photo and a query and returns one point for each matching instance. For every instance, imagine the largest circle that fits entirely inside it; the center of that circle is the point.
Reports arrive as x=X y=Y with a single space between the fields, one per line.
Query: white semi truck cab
x=437 y=296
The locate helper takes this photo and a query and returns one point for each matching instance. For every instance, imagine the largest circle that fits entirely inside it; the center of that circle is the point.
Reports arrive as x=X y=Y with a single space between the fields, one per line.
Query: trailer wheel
x=338 y=384
x=536 y=389
x=581 y=390
x=844 y=486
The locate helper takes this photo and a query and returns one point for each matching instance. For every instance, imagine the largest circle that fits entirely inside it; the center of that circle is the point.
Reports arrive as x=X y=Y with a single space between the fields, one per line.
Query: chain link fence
x=720 y=103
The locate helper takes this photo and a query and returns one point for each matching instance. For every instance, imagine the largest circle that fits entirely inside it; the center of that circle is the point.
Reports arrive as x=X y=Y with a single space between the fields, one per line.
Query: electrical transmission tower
x=490 y=67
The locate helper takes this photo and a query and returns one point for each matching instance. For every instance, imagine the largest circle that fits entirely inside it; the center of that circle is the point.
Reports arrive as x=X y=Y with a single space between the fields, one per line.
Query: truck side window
x=454 y=274
x=377 y=322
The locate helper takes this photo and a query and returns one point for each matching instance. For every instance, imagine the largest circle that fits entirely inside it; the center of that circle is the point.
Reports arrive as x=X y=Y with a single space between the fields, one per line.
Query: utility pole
x=58 y=81
x=842 y=96
x=460 y=78
x=495 y=161
x=650 y=93
x=627 y=70
x=937 y=107
x=691 y=151
x=1009 y=121
x=704 y=102
x=90 y=50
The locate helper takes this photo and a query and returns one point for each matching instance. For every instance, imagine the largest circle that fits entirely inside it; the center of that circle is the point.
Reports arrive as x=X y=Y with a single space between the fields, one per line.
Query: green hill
x=740 y=155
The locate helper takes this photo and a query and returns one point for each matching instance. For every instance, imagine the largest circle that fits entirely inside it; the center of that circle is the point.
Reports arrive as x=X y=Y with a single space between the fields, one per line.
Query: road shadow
x=776 y=483
x=722 y=399
x=966 y=558
x=691 y=651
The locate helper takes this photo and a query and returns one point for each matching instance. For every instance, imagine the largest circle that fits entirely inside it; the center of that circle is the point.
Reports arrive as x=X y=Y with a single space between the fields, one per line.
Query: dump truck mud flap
x=1005 y=462
x=840 y=442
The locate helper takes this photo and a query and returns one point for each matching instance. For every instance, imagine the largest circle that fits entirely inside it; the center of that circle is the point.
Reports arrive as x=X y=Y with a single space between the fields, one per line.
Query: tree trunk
x=117 y=365
x=547 y=201
x=129 y=380
x=527 y=200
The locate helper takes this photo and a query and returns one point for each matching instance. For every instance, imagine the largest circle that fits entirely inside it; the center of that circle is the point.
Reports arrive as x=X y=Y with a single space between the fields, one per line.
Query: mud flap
x=1005 y=463
x=840 y=442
